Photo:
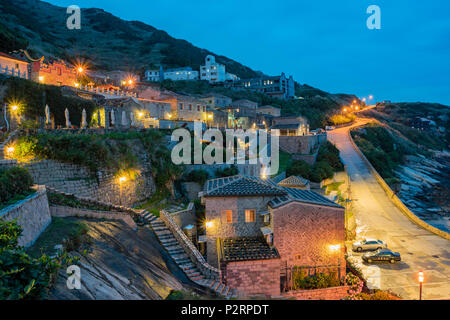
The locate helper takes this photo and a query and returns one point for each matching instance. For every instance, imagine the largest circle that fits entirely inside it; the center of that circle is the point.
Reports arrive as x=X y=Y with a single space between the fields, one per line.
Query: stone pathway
x=183 y=261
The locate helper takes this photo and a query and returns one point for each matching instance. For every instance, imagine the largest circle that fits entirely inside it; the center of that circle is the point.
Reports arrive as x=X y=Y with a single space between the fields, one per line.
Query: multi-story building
x=14 y=66
x=212 y=71
x=273 y=86
x=256 y=228
x=177 y=74
x=242 y=114
x=232 y=77
x=53 y=72
x=154 y=75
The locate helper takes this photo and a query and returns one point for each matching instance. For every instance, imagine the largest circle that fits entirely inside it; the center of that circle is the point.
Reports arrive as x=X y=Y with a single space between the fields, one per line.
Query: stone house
x=13 y=66
x=216 y=100
x=254 y=228
x=271 y=110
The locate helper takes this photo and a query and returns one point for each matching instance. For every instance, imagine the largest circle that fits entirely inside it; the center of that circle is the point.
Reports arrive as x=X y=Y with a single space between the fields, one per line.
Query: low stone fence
x=60 y=211
x=196 y=257
x=136 y=214
x=333 y=293
x=396 y=200
x=32 y=213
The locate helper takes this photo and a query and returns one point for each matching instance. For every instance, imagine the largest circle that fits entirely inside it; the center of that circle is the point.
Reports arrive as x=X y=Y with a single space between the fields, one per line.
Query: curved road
x=377 y=217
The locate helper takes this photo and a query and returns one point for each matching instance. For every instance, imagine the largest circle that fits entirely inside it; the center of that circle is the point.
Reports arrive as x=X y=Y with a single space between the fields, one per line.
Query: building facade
x=212 y=71
x=274 y=86
x=14 y=66
x=255 y=228
x=179 y=74
x=215 y=100
x=270 y=110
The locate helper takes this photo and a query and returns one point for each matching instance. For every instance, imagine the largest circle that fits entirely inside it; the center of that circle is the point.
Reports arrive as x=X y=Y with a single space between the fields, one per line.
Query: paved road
x=377 y=217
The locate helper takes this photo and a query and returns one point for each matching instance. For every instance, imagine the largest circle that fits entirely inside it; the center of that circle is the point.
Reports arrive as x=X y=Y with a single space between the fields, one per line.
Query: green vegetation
x=157 y=202
x=227 y=172
x=70 y=232
x=377 y=295
x=284 y=160
x=327 y=163
x=29 y=95
x=316 y=281
x=420 y=137
x=380 y=148
x=338 y=119
x=11 y=40
x=112 y=151
x=15 y=185
x=22 y=276
x=70 y=201
x=199 y=176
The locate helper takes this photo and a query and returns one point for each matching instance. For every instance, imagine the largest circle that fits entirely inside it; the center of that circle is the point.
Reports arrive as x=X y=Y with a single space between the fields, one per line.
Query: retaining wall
x=196 y=257
x=60 y=211
x=32 y=213
x=396 y=200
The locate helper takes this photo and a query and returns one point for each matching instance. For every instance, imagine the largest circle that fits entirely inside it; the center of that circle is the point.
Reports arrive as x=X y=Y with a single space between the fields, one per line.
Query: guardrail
x=396 y=200
x=196 y=257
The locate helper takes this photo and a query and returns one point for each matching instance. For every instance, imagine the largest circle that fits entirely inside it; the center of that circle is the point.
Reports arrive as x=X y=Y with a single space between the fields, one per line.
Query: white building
x=232 y=77
x=152 y=75
x=177 y=74
x=212 y=71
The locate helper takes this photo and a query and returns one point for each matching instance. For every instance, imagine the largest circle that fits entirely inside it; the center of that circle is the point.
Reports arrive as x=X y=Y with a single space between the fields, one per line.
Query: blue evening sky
x=324 y=43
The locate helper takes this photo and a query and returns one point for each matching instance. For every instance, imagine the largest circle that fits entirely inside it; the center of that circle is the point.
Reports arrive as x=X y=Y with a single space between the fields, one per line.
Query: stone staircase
x=178 y=254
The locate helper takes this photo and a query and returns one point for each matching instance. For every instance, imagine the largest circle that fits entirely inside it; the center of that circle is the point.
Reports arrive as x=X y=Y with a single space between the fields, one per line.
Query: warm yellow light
x=10 y=150
x=356 y=108
x=209 y=116
x=371 y=97
x=77 y=84
x=130 y=81
x=124 y=82
x=169 y=115
x=209 y=224
x=80 y=69
x=41 y=78
x=334 y=247
x=14 y=108
x=140 y=114
x=364 y=99
x=122 y=179
x=421 y=277
x=354 y=101
x=345 y=109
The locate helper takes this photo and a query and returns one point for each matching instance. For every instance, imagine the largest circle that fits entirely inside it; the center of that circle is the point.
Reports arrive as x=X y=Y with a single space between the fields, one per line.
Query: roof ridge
x=231 y=180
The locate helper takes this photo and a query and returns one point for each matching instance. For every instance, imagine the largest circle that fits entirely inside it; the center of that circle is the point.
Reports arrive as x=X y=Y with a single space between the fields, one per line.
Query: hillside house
x=255 y=228
x=14 y=66
x=274 y=86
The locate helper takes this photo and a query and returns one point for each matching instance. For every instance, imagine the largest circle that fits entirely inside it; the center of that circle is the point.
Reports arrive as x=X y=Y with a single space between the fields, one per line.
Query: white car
x=368 y=245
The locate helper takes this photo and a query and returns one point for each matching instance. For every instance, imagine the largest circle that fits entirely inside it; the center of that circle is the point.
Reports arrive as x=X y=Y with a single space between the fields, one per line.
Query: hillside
x=104 y=41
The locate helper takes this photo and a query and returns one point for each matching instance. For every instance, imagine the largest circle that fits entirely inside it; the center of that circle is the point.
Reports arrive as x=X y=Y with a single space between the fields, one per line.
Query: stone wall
x=196 y=257
x=60 y=211
x=303 y=233
x=256 y=277
x=78 y=180
x=214 y=207
x=333 y=293
x=184 y=217
x=191 y=189
x=302 y=145
x=32 y=213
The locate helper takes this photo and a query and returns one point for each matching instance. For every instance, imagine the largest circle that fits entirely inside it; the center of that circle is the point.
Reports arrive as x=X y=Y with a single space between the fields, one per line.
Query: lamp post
x=122 y=179
x=421 y=278
x=335 y=248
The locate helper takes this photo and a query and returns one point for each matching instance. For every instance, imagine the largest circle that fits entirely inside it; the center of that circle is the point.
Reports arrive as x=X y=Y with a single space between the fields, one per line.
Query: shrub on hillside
x=15 y=184
x=227 y=172
x=199 y=176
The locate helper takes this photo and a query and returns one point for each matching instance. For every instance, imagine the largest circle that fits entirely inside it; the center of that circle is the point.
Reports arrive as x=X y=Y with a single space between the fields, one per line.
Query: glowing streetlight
x=80 y=69
x=124 y=83
x=122 y=179
x=130 y=82
x=371 y=97
x=345 y=109
x=210 y=116
x=41 y=79
x=364 y=99
x=334 y=247
x=421 y=279
x=169 y=116
x=77 y=84
x=10 y=150
x=209 y=224
x=140 y=114
x=356 y=108
x=14 y=107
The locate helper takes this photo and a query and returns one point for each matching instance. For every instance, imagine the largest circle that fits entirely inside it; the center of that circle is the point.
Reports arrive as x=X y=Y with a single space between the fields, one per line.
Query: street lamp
x=420 y=278
x=335 y=248
x=209 y=224
x=10 y=150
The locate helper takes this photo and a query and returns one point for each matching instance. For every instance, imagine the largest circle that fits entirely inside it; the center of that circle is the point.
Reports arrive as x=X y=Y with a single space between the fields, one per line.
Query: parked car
x=368 y=245
x=382 y=255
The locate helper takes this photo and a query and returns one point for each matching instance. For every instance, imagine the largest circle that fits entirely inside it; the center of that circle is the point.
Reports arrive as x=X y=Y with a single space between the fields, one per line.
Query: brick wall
x=256 y=277
x=334 y=293
x=302 y=234
x=214 y=206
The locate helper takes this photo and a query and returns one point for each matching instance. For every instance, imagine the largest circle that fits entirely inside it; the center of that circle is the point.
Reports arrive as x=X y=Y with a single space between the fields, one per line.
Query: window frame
x=251 y=215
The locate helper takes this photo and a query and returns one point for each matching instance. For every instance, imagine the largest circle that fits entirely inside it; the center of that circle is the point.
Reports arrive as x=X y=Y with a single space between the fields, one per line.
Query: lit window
x=250 y=215
x=228 y=215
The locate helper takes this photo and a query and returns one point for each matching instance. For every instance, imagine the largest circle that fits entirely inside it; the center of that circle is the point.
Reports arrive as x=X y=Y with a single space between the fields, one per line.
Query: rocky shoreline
x=425 y=188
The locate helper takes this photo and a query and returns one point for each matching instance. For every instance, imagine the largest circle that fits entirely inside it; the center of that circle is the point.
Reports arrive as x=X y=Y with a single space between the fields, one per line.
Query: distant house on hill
x=273 y=111
x=422 y=123
x=273 y=86
x=178 y=74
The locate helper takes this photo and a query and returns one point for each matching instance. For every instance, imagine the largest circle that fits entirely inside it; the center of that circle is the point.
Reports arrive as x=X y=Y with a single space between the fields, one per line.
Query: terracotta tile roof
x=294 y=181
x=2 y=54
x=299 y=195
x=241 y=185
x=247 y=248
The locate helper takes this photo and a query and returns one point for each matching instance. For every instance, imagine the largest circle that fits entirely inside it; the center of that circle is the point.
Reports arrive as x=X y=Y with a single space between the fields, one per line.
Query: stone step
x=197 y=278
x=220 y=288
x=186 y=266
x=184 y=259
x=226 y=292
x=217 y=285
